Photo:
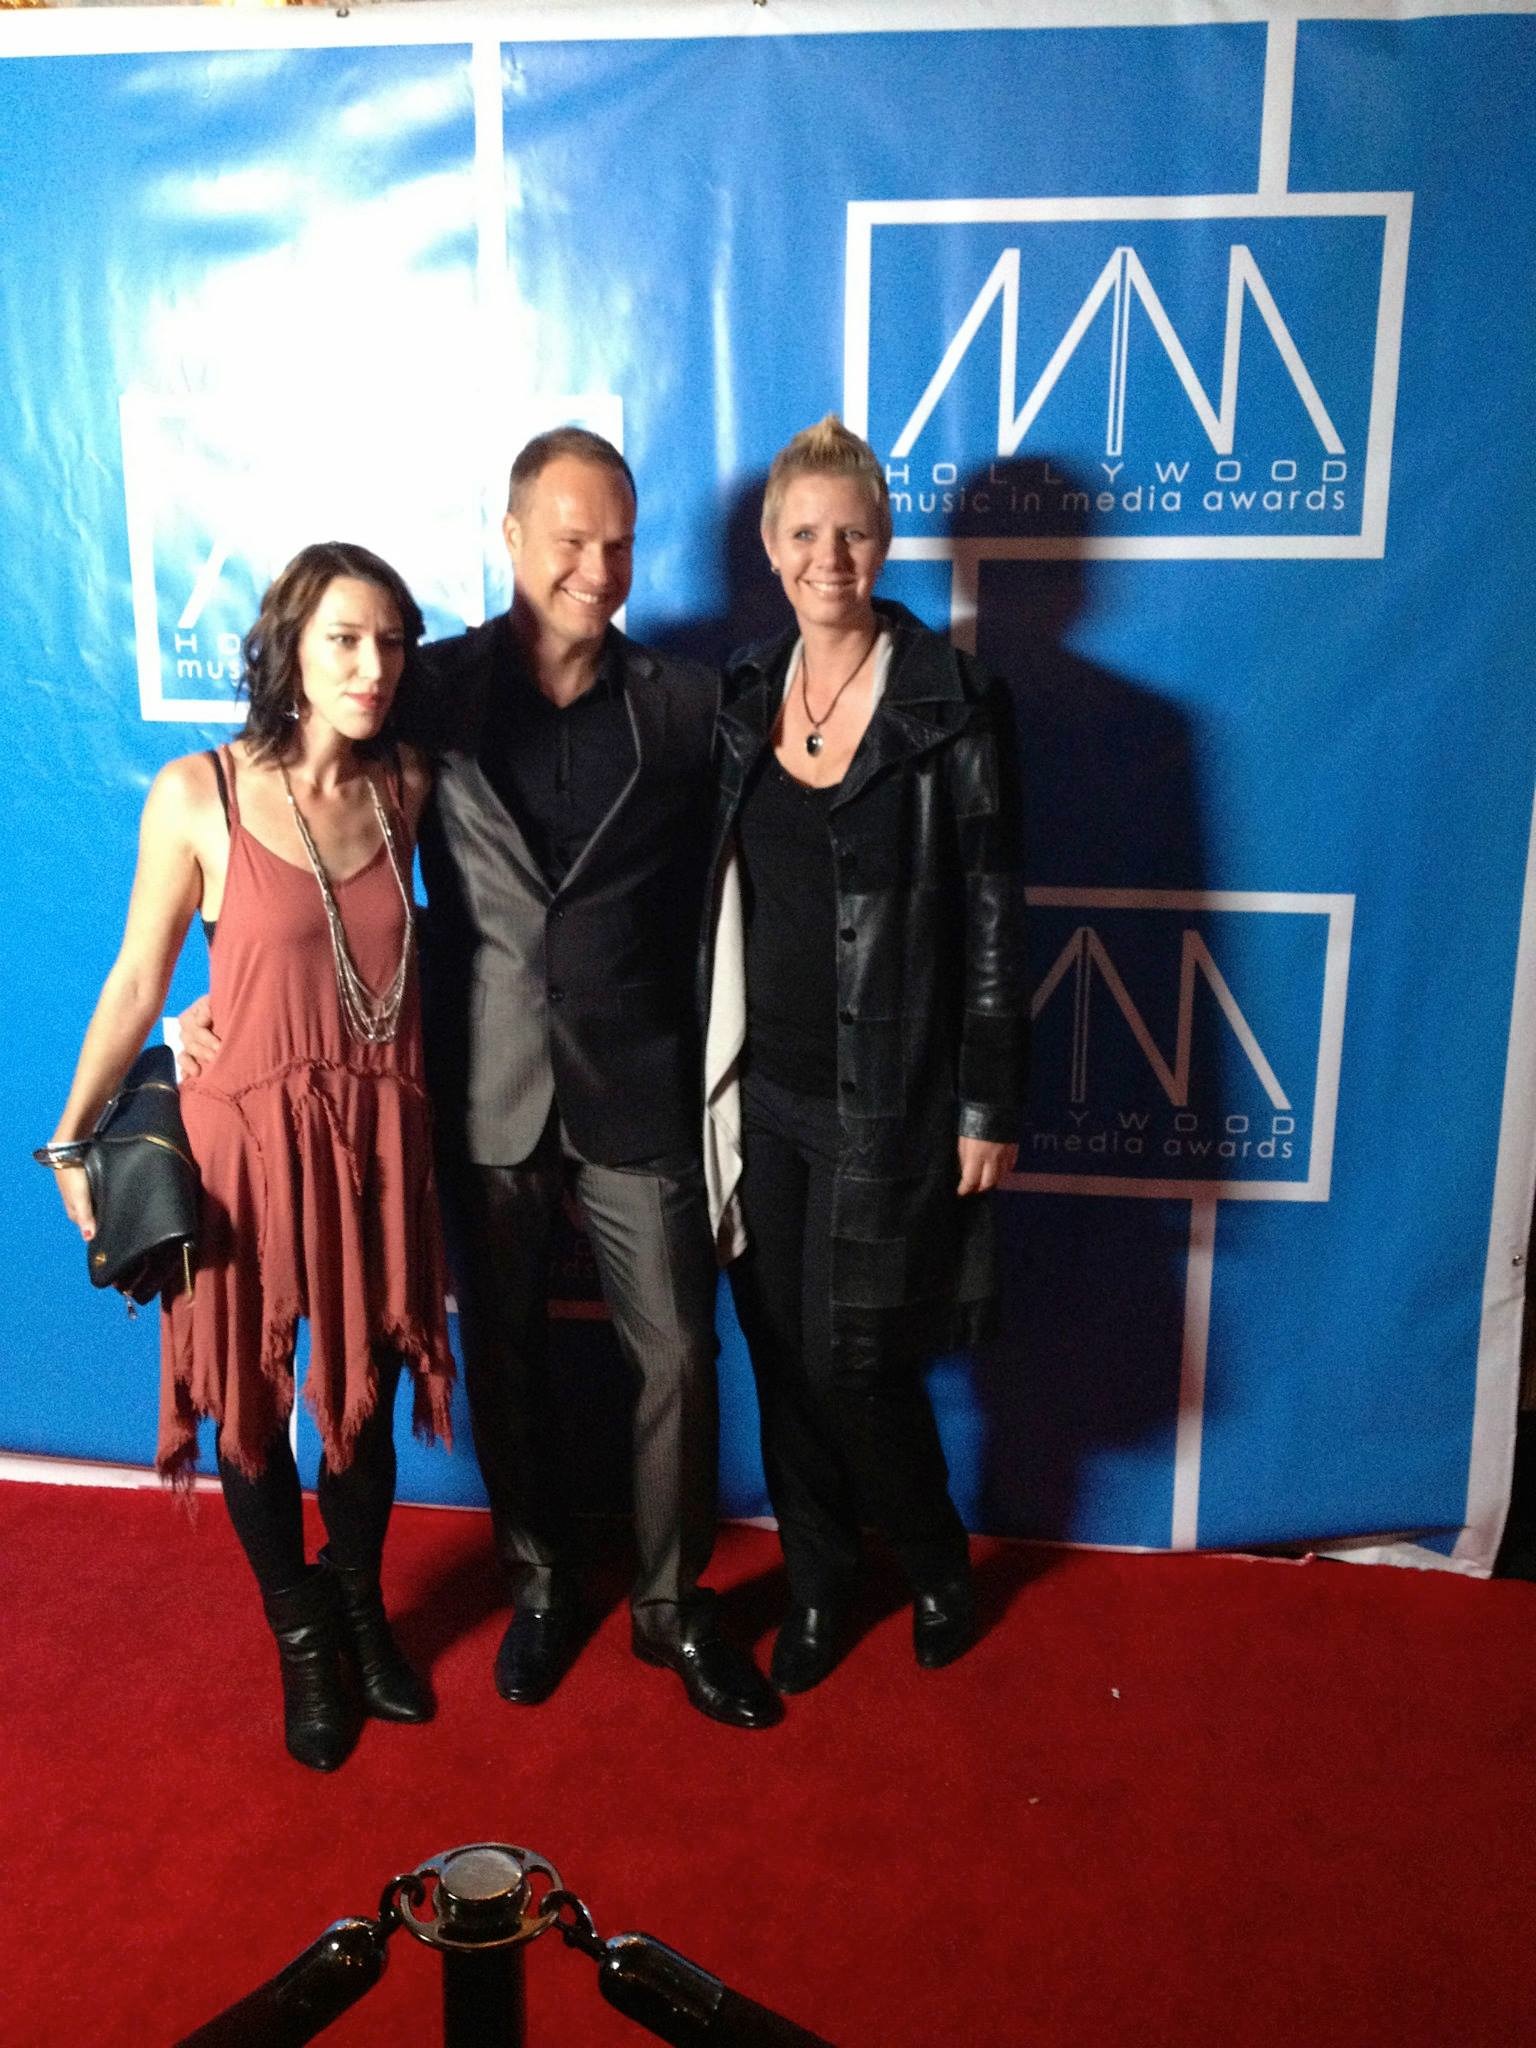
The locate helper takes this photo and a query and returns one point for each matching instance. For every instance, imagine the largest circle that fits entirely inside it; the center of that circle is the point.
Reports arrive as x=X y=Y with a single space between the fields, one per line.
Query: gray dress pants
x=649 y=1229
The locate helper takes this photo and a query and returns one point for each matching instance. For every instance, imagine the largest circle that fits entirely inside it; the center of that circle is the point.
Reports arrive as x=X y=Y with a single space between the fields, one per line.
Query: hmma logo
x=1185 y=1042
x=1193 y=376
x=1086 y=955
x=1122 y=280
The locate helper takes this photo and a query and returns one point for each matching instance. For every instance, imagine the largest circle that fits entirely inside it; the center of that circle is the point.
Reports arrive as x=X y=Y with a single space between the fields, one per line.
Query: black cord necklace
x=813 y=739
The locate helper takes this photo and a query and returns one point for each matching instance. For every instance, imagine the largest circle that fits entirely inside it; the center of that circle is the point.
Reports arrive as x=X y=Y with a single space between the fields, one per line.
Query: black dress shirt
x=560 y=769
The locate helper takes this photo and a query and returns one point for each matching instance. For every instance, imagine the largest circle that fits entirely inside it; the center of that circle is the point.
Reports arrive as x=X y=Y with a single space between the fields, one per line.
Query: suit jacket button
x=556 y=995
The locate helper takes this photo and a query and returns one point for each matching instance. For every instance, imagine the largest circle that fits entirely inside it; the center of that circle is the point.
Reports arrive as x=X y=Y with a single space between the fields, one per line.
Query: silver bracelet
x=71 y=1152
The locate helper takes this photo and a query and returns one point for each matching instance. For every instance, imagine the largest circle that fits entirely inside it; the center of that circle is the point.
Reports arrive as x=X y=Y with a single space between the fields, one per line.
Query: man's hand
x=199 y=1044
x=983 y=1164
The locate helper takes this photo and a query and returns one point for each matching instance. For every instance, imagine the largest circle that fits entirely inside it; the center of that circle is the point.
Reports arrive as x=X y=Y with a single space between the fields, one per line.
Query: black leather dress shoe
x=812 y=1643
x=537 y=1650
x=943 y=1624
x=720 y=1680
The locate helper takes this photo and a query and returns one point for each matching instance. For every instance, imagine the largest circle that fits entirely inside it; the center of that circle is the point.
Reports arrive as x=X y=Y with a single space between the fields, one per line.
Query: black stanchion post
x=477 y=1906
x=483 y=2003
x=481 y=1894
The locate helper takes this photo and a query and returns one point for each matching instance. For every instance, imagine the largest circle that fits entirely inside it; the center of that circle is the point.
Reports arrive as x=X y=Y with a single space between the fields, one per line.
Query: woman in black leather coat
x=866 y=1045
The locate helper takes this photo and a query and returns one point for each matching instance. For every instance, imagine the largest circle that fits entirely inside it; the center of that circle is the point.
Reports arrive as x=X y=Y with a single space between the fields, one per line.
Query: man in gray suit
x=564 y=859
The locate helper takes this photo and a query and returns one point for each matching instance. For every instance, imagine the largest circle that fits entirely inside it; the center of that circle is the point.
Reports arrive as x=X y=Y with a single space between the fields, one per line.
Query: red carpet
x=1166 y=1801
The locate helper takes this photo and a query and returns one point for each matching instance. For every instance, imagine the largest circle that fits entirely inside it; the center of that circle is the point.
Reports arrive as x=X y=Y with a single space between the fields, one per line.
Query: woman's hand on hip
x=983 y=1164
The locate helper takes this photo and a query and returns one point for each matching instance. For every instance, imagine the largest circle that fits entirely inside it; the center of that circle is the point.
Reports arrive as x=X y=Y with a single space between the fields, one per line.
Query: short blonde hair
x=828 y=449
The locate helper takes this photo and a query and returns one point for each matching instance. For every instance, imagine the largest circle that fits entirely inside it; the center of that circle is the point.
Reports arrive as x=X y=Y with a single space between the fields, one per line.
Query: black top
x=560 y=770
x=789 y=900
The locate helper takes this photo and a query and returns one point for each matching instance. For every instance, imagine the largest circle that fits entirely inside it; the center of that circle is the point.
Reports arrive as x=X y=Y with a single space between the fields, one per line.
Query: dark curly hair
x=271 y=648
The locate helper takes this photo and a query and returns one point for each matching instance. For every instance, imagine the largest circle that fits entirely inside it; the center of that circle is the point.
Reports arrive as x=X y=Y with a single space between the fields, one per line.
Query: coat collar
x=924 y=703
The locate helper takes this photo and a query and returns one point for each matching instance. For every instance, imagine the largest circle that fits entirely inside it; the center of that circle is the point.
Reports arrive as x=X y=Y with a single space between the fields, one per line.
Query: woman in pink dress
x=311 y=1128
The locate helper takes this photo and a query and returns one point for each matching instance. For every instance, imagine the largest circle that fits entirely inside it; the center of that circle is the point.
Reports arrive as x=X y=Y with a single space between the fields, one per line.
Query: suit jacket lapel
x=476 y=790
x=500 y=822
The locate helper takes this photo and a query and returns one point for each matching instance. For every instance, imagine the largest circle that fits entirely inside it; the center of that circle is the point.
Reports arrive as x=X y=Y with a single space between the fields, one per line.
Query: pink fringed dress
x=316 y=1159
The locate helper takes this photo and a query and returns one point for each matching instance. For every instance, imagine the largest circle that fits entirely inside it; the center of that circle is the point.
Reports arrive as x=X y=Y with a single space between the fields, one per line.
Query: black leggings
x=267 y=1511
x=841 y=1444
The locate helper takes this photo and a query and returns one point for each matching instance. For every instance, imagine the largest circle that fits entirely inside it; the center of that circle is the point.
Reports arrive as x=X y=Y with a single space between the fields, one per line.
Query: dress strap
x=224 y=775
x=218 y=776
x=225 y=781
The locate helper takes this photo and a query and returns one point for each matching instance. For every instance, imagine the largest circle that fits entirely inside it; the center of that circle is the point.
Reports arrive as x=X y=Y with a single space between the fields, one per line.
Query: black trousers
x=268 y=1511
x=649 y=1227
x=842 y=1445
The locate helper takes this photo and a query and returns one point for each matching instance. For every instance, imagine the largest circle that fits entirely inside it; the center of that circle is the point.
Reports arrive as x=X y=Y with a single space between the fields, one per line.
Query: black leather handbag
x=144 y=1184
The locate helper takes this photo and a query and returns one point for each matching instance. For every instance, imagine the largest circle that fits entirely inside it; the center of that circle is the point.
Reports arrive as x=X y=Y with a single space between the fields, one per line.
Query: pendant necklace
x=372 y=1019
x=813 y=739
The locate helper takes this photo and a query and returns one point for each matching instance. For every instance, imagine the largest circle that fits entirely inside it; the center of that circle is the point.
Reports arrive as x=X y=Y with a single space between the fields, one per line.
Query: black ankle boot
x=319 y=1725
x=391 y=1689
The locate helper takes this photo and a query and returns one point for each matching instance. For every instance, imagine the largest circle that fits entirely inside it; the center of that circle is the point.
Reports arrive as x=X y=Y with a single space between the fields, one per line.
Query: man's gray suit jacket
x=581 y=995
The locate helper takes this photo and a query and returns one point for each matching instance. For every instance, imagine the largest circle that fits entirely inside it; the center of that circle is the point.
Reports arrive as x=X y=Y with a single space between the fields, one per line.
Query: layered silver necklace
x=372 y=1019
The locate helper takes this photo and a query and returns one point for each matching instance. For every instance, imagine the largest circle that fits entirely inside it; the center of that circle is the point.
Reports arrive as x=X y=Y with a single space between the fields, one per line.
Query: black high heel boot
x=319 y=1725
x=392 y=1691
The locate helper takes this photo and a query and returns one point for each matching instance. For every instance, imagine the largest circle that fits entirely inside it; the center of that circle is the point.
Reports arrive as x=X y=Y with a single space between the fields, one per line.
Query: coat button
x=848 y=934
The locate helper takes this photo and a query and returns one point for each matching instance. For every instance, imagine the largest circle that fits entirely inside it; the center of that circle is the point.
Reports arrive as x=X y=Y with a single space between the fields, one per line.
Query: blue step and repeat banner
x=1196 y=340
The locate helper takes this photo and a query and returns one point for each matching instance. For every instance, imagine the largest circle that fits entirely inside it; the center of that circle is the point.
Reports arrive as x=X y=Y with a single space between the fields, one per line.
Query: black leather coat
x=933 y=1005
